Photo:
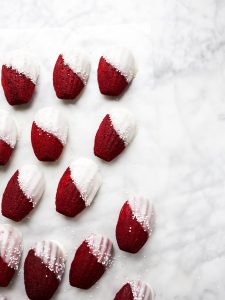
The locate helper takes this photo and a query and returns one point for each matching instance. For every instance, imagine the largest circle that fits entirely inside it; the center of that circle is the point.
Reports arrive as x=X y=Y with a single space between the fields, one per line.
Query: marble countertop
x=177 y=158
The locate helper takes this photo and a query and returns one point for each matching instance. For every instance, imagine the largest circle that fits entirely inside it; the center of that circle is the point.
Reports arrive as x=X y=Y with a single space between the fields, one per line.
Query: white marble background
x=177 y=158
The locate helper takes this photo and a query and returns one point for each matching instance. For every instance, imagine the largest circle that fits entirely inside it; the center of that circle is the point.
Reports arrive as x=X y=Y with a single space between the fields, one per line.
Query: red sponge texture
x=111 y=82
x=85 y=269
x=40 y=282
x=45 y=145
x=15 y=205
x=108 y=144
x=17 y=87
x=68 y=198
x=67 y=84
x=130 y=234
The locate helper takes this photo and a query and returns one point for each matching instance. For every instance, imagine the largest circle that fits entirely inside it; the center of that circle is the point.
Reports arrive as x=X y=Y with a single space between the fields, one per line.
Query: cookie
x=114 y=134
x=22 y=193
x=135 y=224
x=70 y=74
x=90 y=261
x=19 y=78
x=116 y=69
x=48 y=134
x=77 y=187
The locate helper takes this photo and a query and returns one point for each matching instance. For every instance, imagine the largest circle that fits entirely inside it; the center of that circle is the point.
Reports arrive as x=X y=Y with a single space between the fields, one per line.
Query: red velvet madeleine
x=90 y=261
x=114 y=134
x=48 y=134
x=70 y=74
x=43 y=273
x=108 y=144
x=111 y=82
x=17 y=87
x=22 y=193
x=68 y=198
x=134 y=224
x=116 y=70
x=77 y=187
x=19 y=77
x=45 y=145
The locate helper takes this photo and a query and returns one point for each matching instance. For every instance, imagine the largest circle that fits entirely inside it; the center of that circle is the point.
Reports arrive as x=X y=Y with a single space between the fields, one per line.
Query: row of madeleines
x=49 y=134
x=45 y=262
x=116 y=70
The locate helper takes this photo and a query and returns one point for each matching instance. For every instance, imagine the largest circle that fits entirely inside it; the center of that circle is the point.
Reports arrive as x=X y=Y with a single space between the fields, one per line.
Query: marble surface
x=177 y=158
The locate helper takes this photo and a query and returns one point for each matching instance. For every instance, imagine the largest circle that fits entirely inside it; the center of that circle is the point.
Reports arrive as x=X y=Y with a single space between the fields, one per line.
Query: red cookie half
x=44 y=267
x=114 y=134
x=19 y=77
x=70 y=74
x=22 y=193
x=77 y=187
x=135 y=224
x=91 y=261
x=116 y=70
x=48 y=134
